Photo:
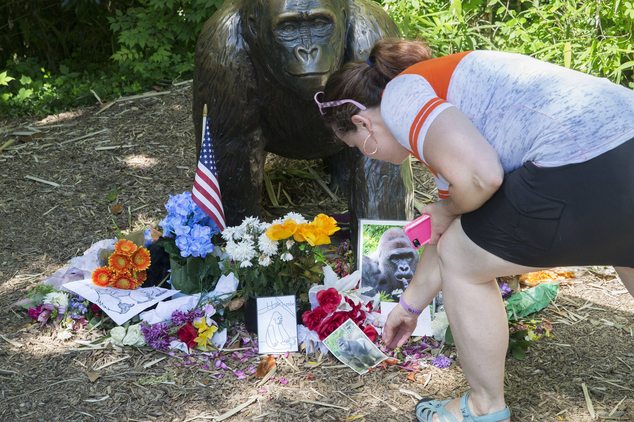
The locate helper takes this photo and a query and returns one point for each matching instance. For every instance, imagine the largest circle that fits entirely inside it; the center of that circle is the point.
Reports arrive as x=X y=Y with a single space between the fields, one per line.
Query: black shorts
x=577 y=214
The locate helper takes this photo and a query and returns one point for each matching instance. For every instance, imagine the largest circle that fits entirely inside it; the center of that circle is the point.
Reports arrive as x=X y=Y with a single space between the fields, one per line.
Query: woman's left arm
x=455 y=149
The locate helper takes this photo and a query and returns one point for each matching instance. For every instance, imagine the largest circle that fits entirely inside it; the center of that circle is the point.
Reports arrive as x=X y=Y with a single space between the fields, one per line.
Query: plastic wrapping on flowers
x=188 y=240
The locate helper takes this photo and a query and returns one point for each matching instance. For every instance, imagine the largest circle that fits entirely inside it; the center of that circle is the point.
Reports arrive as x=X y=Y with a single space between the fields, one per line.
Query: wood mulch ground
x=76 y=178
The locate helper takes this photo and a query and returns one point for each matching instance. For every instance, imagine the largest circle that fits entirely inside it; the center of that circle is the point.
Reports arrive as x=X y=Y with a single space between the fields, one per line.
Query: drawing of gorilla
x=392 y=265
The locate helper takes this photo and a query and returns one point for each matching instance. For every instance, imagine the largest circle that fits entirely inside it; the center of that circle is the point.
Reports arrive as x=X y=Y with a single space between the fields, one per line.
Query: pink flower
x=35 y=312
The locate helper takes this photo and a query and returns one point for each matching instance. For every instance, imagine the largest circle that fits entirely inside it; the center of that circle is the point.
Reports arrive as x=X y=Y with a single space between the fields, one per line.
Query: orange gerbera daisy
x=140 y=277
x=102 y=277
x=119 y=263
x=125 y=247
x=141 y=259
x=125 y=282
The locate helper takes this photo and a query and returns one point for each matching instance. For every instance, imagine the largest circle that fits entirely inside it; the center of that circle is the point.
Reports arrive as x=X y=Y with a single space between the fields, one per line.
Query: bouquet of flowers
x=281 y=258
x=335 y=307
x=197 y=328
x=66 y=310
x=187 y=239
x=126 y=268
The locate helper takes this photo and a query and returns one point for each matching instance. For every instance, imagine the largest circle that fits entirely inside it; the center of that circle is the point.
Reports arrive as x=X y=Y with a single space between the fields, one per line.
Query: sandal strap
x=426 y=409
x=498 y=416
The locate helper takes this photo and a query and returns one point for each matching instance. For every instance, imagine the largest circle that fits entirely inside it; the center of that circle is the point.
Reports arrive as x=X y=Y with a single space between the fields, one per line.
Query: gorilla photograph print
x=388 y=259
x=352 y=347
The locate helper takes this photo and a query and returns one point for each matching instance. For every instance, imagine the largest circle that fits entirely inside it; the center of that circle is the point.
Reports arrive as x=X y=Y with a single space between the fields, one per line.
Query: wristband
x=409 y=308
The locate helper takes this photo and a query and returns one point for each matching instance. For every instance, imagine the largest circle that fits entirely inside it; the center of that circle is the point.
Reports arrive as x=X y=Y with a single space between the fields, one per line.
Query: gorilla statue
x=392 y=266
x=258 y=65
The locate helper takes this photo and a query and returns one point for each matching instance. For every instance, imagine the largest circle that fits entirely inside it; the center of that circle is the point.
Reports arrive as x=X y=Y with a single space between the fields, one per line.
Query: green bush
x=147 y=43
x=593 y=37
x=156 y=40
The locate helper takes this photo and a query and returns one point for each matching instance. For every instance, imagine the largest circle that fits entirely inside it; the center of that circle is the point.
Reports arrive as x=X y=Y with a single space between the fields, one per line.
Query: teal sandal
x=427 y=408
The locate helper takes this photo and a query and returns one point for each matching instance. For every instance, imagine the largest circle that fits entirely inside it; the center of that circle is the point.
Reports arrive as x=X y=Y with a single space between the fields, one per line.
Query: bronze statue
x=258 y=65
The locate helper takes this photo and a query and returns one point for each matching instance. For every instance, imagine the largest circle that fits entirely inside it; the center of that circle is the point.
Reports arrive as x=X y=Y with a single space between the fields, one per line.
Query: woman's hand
x=399 y=327
x=441 y=218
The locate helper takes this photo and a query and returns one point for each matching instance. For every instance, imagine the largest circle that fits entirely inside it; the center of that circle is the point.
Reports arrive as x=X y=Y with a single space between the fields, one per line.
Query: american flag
x=206 y=190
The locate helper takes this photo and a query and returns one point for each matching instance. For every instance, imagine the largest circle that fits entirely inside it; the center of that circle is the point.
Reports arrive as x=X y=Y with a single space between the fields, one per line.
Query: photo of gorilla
x=390 y=267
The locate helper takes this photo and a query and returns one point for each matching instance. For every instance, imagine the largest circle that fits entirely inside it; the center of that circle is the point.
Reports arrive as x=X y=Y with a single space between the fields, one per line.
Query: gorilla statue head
x=306 y=36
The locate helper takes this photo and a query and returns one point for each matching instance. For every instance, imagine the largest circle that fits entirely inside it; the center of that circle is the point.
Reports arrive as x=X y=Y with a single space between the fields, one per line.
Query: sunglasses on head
x=336 y=103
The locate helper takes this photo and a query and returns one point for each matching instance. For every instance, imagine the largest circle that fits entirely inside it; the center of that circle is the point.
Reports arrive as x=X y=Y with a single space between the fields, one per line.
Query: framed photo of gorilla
x=387 y=258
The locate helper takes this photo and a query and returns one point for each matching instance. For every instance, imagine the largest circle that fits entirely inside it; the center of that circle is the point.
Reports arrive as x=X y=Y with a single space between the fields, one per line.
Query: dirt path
x=135 y=154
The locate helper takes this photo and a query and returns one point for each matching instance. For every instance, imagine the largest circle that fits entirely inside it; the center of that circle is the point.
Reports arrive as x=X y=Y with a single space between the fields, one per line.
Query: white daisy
x=298 y=218
x=267 y=245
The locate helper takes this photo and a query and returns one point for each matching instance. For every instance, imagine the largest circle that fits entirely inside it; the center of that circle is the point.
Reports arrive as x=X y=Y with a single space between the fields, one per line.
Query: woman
x=535 y=168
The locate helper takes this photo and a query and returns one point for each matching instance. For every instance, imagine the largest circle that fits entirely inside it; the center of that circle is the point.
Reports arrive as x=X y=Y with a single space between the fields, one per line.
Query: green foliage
x=593 y=37
x=371 y=235
x=113 y=48
x=156 y=39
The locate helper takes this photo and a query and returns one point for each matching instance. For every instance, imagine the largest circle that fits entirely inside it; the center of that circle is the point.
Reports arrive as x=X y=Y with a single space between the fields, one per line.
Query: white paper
x=277 y=324
x=423 y=325
x=120 y=305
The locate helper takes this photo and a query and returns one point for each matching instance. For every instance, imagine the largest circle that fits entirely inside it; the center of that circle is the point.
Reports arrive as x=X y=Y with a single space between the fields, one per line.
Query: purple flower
x=156 y=336
x=283 y=380
x=506 y=290
x=48 y=311
x=239 y=374
x=441 y=361
x=182 y=318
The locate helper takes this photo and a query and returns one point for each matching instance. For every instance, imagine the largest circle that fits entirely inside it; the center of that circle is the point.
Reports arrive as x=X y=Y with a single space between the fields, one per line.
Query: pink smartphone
x=419 y=231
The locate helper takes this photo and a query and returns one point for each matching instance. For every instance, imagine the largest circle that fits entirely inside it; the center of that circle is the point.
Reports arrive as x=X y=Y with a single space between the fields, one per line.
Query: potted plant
x=279 y=258
x=188 y=240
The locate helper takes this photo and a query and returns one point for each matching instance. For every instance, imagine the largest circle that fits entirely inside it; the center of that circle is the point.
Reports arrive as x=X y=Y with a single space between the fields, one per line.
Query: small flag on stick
x=206 y=190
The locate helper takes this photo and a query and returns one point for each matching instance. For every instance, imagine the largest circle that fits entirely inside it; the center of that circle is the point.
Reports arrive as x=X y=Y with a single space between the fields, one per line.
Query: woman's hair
x=365 y=81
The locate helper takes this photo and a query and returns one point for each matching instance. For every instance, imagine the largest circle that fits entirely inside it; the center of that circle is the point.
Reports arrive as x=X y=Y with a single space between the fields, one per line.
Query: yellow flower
x=325 y=224
x=301 y=232
x=316 y=238
x=205 y=332
x=282 y=231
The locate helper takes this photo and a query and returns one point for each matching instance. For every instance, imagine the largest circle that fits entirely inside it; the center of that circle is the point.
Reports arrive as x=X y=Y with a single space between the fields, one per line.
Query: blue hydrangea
x=189 y=225
x=77 y=307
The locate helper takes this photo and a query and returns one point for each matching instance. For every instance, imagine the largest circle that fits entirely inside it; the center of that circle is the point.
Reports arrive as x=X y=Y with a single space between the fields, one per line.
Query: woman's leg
x=627 y=277
x=477 y=316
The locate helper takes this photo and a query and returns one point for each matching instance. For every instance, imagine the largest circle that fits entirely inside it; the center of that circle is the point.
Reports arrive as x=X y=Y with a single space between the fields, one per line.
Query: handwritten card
x=277 y=324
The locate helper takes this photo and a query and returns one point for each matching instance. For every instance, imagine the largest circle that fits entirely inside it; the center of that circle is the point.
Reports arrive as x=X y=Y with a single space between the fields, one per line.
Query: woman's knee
x=455 y=257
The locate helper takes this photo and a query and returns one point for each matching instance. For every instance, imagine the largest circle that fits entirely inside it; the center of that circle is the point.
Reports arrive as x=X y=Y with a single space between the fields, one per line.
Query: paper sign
x=277 y=324
x=352 y=347
x=120 y=305
x=423 y=325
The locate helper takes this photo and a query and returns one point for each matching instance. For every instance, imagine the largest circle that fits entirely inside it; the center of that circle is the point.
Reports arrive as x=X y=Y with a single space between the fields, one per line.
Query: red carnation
x=330 y=324
x=313 y=318
x=370 y=332
x=329 y=299
x=187 y=334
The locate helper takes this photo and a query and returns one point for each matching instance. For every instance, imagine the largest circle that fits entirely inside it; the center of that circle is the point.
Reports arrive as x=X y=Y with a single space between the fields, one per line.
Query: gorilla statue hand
x=399 y=327
x=441 y=218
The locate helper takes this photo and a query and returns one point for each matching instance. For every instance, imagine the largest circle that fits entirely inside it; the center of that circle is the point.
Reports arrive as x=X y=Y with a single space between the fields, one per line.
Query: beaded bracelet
x=409 y=308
